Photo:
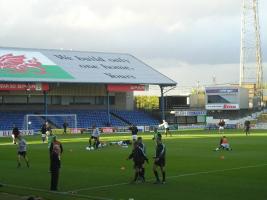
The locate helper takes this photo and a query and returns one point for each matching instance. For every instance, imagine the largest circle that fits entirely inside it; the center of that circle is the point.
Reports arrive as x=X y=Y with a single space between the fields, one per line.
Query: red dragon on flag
x=19 y=64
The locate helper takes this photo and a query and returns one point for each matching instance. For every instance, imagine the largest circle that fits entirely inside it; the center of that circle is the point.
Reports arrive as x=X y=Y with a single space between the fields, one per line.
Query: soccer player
x=134 y=131
x=247 y=127
x=55 y=166
x=22 y=151
x=221 y=125
x=56 y=144
x=166 y=127
x=65 y=126
x=160 y=161
x=224 y=144
x=139 y=159
x=43 y=132
x=15 y=134
x=143 y=148
x=95 y=136
x=156 y=135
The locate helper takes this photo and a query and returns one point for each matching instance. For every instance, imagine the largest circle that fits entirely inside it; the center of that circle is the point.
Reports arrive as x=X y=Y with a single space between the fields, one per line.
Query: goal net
x=35 y=121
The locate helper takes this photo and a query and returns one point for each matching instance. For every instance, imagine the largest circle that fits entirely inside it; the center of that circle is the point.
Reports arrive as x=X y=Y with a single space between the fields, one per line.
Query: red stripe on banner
x=125 y=88
x=24 y=86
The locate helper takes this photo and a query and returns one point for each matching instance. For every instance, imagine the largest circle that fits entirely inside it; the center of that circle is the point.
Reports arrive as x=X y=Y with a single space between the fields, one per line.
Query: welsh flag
x=19 y=64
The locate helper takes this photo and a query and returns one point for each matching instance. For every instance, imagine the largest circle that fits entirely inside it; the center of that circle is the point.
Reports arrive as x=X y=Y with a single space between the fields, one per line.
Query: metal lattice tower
x=250 y=52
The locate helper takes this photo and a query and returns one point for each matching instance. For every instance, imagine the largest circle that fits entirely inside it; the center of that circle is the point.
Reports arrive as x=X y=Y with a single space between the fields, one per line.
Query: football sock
x=156 y=175
x=135 y=176
x=163 y=176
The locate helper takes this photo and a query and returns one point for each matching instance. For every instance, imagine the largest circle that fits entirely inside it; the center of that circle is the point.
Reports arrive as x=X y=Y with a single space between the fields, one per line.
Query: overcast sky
x=187 y=40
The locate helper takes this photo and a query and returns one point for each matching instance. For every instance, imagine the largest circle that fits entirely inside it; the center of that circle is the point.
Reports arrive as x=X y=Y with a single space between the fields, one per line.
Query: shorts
x=221 y=128
x=226 y=145
x=134 y=137
x=94 y=137
x=160 y=162
x=138 y=164
x=167 y=129
x=43 y=135
x=22 y=153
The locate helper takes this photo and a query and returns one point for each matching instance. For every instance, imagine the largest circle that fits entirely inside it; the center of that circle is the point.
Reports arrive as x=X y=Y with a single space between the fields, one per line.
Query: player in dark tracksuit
x=54 y=167
x=247 y=127
x=143 y=148
x=139 y=159
x=160 y=161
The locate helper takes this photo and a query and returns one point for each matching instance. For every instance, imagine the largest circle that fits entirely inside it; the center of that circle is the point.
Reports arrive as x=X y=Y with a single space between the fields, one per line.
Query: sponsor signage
x=24 y=86
x=227 y=106
x=221 y=90
x=125 y=88
x=8 y=133
x=107 y=130
x=190 y=113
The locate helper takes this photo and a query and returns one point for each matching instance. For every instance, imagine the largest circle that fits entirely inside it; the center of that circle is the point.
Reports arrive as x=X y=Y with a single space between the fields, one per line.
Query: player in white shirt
x=22 y=151
x=95 y=136
x=166 y=127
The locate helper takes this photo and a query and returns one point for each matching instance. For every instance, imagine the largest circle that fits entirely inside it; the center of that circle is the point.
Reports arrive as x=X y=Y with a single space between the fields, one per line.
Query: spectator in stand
x=15 y=134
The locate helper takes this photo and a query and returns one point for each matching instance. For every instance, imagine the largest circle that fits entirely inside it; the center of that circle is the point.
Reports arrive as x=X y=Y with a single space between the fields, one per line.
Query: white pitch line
x=172 y=177
x=218 y=170
x=56 y=192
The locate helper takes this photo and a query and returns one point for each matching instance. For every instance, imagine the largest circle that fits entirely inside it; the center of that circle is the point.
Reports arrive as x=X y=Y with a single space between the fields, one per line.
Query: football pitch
x=193 y=169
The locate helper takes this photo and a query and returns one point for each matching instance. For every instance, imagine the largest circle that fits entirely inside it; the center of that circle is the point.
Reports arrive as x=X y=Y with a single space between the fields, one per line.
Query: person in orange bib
x=224 y=144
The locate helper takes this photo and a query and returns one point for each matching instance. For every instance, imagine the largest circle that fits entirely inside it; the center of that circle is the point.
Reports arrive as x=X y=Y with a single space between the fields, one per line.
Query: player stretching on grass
x=22 y=151
x=139 y=159
x=223 y=144
x=160 y=161
x=166 y=127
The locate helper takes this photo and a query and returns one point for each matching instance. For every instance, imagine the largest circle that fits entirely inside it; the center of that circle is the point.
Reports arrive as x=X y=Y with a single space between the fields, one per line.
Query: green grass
x=194 y=170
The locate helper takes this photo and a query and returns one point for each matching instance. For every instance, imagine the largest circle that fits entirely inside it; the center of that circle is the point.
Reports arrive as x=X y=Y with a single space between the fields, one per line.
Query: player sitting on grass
x=139 y=159
x=159 y=161
x=223 y=144
x=122 y=143
x=22 y=151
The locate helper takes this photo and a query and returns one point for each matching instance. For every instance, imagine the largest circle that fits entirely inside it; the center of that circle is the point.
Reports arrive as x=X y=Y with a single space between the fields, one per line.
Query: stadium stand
x=85 y=119
x=135 y=117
